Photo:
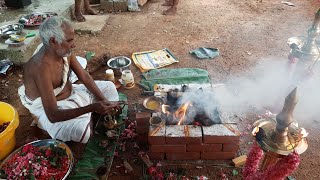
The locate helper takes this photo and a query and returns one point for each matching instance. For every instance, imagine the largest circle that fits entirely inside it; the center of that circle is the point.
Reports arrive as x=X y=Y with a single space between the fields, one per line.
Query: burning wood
x=165 y=108
x=181 y=112
x=154 y=131
x=186 y=130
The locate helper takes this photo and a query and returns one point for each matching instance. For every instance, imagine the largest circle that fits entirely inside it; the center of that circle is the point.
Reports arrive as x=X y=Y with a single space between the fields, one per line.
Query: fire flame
x=164 y=109
x=255 y=131
x=303 y=132
x=181 y=112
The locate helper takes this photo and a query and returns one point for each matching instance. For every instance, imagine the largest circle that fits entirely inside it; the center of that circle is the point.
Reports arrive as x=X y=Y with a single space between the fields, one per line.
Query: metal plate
x=47 y=143
x=153 y=103
x=11 y=29
x=35 y=19
x=13 y=43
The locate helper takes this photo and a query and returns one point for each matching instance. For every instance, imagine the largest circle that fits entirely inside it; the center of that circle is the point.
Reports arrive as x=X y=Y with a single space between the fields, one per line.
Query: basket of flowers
x=42 y=159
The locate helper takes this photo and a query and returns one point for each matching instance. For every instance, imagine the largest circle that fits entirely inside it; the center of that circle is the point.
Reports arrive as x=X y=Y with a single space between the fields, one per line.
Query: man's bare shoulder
x=37 y=63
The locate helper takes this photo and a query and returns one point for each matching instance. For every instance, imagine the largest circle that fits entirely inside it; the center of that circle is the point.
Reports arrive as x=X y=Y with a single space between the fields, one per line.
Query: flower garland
x=278 y=171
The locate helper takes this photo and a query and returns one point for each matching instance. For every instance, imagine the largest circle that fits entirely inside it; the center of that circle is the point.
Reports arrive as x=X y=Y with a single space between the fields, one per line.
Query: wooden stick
x=152 y=133
x=232 y=129
x=186 y=130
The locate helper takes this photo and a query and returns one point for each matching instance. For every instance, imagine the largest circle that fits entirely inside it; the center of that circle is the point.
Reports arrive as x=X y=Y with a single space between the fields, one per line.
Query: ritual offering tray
x=11 y=29
x=41 y=159
x=35 y=19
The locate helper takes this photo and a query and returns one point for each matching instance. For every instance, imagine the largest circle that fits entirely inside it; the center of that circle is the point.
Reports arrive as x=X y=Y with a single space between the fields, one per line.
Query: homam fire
x=191 y=130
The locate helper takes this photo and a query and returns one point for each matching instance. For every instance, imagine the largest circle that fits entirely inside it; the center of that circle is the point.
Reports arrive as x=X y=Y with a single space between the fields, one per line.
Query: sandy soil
x=244 y=31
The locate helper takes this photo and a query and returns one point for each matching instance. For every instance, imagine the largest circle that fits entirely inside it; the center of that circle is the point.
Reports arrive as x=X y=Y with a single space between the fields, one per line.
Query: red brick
x=194 y=134
x=220 y=134
x=142 y=129
x=157 y=135
x=176 y=140
x=176 y=148
x=230 y=147
x=183 y=156
x=217 y=155
x=142 y=139
x=167 y=148
x=157 y=148
x=143 y=118
x=221 y=139
x=194 y=140
x=175 y=135
x=204 y=147
x=156 y=156
x=194 y=148
x=156 y=140
x=211 y=148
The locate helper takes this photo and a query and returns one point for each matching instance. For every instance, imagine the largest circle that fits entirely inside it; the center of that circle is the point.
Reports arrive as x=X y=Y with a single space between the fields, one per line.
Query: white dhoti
x=73 y=129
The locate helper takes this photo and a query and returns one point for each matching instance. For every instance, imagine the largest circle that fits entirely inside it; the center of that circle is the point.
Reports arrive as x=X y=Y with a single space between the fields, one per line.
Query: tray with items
x=35 y=19
x=11 y=29
x=18 y=40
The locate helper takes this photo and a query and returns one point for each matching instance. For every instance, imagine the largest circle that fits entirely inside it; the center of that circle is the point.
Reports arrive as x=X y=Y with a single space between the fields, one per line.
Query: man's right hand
x=104 y=107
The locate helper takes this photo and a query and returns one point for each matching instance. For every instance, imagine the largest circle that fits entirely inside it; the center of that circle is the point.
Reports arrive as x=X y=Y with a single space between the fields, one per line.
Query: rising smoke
x=264 y=87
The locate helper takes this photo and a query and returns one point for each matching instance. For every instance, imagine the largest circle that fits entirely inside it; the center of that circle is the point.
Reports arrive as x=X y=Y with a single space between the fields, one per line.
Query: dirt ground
x=244 y=31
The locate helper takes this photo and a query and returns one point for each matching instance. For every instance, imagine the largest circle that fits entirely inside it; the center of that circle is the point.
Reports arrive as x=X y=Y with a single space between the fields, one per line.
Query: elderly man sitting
x=63 y=109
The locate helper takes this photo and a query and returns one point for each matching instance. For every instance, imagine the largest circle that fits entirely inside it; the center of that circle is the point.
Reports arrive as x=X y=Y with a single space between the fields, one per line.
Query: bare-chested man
x=87 y=10
x=61 y=108
x=173 y=9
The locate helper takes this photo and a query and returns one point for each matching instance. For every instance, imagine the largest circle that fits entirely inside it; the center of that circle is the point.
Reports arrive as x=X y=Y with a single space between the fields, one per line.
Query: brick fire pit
x=191 y=142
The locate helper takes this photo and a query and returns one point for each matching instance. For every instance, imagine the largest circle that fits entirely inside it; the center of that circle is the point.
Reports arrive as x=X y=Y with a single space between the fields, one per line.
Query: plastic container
x=127 y=79
x=7 y=138
x=110 y=75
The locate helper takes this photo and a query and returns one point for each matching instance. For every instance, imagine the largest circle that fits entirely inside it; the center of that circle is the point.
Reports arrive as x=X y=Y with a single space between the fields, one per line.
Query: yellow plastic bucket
x=7 y=138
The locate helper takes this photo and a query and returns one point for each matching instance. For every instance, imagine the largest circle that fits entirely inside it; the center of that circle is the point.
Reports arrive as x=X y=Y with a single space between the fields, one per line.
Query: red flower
x=33 y=161
x=152 y=170
x=48 y=152
x=252 y=162
x=284 y=167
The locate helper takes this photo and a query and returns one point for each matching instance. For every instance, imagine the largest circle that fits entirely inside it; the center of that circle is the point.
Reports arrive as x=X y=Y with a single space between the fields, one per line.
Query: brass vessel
x=279 y=137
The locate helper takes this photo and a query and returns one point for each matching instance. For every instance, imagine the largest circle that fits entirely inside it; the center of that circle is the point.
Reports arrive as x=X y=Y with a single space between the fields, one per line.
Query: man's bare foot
x=170 y=11
x=167 y=4
x=90 y=11
x=79 y=17
x=73 y=17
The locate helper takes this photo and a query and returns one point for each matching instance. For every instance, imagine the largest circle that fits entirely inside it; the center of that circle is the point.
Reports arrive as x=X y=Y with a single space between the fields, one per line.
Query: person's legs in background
x=167 y=3
x=173 y=9
x=77 y=11
x=87 y=10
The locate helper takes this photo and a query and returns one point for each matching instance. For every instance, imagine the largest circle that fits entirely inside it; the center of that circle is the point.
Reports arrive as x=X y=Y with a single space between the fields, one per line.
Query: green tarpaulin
x=205 y=53
x=173 y=76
